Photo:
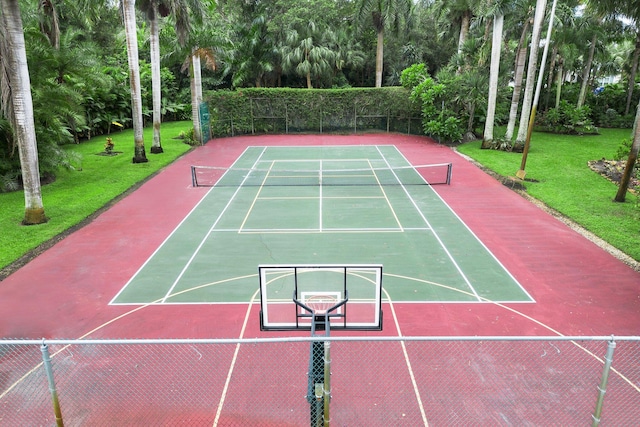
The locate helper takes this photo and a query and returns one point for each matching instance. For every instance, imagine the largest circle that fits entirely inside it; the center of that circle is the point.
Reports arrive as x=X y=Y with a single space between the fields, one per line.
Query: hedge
x=287 y=110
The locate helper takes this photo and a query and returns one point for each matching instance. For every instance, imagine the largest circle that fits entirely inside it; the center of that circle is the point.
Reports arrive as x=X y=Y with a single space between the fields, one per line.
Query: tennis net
x=209 y=176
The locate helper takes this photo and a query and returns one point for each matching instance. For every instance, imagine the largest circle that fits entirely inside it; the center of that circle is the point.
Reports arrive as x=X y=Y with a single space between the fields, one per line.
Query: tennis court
x=322 y=205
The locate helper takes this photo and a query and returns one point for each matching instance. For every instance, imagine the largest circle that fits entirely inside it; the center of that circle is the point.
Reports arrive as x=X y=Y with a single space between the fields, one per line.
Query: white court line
x=206 y=236
x=253 y=203
x=225 y=389
x=170 y=235
x=477 y=239
x=393 y=212
x=416 y=390
x=426 y=221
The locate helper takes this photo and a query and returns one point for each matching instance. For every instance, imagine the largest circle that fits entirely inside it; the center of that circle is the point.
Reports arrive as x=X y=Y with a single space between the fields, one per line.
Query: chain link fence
x=382 y=381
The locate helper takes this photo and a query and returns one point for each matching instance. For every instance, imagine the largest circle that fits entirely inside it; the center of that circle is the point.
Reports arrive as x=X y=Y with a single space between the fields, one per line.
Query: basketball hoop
x=320 y=303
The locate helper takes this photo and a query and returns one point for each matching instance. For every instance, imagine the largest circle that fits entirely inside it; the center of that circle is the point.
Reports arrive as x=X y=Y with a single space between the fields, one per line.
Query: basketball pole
x=327 y=382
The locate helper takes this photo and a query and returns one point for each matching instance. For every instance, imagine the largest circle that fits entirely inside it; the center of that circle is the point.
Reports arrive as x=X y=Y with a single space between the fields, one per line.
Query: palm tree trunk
x=129 y=12
x=541 y=6
x=631 y=161
x=154 y=41
x=379 y=57
x=559 y=81
x=15 y=75
x=464 y=30
x=632 y=75
x=586 y=72
x=464 y=33
x=552 y=67
x=521 y=58
x=196 y=96
x=496 y=45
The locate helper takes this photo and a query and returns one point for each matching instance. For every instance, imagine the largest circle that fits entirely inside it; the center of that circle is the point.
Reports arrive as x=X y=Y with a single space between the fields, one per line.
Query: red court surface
x=579 y=288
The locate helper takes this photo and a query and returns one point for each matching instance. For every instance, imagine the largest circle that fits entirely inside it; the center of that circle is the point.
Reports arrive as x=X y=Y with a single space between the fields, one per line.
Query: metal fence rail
x=374 y=381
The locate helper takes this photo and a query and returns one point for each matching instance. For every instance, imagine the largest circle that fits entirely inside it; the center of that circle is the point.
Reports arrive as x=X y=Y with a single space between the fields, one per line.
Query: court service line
x=225 y=389
x=435 y=234
x=478 y=239
x=255 y=199
x=384 y=193
x=416 y=391
x=206 y=236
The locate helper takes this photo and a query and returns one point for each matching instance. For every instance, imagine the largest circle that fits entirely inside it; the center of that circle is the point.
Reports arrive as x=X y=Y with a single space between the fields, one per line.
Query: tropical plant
x=306 y=53
x=392 y=14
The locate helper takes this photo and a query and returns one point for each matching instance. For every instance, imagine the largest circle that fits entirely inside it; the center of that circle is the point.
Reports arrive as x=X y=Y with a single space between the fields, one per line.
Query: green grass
x=558 y=175
x=77 y=194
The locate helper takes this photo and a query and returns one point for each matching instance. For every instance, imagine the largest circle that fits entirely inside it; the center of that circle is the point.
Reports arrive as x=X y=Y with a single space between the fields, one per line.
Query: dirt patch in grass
x=613 y=170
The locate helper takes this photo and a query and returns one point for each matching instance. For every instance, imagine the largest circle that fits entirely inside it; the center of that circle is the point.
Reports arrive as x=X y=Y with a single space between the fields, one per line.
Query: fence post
x=253 y=130
x=602 y=389
x=46 y=359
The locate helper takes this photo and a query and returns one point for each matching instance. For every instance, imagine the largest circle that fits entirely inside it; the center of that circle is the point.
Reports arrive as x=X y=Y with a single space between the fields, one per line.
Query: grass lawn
x=77 y=194
x=558 y=175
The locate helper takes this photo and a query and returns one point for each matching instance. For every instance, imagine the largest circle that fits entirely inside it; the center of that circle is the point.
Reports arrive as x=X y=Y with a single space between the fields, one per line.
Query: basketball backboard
x=358 y=286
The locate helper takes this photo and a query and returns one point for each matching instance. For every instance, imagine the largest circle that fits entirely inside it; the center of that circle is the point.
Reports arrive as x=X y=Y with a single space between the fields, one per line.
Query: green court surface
x=321 y=205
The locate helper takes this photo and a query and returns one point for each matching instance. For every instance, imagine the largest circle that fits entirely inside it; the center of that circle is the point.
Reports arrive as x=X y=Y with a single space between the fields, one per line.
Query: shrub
x=567 y=119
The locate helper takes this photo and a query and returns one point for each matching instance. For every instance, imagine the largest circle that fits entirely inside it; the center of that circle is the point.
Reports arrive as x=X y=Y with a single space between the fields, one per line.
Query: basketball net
x=320 y=303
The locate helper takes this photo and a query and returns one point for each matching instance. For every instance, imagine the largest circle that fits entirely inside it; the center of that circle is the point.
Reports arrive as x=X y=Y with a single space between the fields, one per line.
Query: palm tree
x=460 y=13
x=129 y=14
x=496 y=45
x=520 y=60
x=17 y=105
x=251 y=54
x=154 y=9
x=306 y=54
x=384 y=14
x=593 y=26
x=541 y=6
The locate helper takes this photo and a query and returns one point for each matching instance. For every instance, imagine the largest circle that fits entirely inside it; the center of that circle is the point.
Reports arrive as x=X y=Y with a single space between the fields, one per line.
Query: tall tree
x=496 y=46
x=541 y=6
x=17 y=105
x=518 y=73
x=384 y=14
x=306 y=54
x=129 y=14
x=180 y=10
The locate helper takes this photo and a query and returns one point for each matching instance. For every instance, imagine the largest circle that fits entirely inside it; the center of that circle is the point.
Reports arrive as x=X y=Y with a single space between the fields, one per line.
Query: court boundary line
x=385 y=160
x=161 y=245
x=478 y=239
x=426 y=221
